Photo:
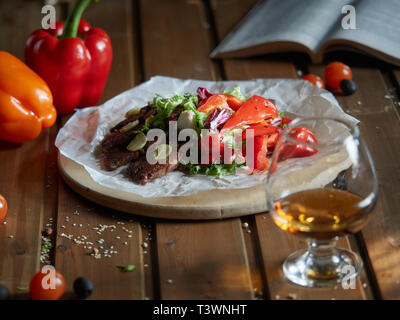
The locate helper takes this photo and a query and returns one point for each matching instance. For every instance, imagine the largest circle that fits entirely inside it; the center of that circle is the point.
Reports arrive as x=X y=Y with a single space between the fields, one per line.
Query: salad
x=222 y=131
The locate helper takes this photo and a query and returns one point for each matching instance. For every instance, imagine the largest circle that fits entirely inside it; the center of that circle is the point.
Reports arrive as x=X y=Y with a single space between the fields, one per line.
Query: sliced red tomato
x=286 y=120
x=272 y=141
x=258 y=159
x=233 y=102
x=253 y=110
x=292 y=150
x=216 y=101
x=211 y=149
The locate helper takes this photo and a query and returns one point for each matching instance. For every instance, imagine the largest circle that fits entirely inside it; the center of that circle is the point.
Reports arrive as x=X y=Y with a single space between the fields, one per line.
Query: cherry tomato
x=3 y=207
x=315 y=80
x=335 y=72
x=291 y=150
x=38 y=292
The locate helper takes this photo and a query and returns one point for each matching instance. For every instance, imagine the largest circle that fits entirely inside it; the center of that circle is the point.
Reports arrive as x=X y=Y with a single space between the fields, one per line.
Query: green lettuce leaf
x=217 y=170
x=237 y=93
x=166 y=106
x=190 y=104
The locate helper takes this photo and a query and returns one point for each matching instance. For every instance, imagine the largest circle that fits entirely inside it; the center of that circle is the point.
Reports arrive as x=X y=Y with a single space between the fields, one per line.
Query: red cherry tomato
x=3 y=207
x=315 y=80
x=291 y=150
x=39 y=292
x=335 y=72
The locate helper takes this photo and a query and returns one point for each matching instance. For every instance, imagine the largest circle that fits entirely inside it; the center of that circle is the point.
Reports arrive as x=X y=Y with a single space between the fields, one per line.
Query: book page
x=377 y=26
x=306 y=22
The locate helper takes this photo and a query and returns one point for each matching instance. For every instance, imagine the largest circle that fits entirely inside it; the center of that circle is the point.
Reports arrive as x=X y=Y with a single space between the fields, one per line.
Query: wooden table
x=178 y=259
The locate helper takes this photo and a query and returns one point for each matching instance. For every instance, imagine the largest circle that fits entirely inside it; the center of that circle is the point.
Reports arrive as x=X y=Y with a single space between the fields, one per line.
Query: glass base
x=323 y=265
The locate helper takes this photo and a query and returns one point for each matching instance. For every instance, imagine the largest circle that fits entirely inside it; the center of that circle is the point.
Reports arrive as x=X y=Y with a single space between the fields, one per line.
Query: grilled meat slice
x=114 y=159
x=142 y=172
x=116 y=139
x=144 y=113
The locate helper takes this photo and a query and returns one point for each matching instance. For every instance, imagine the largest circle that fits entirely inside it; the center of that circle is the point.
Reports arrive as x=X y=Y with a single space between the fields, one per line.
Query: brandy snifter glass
x=321 y=196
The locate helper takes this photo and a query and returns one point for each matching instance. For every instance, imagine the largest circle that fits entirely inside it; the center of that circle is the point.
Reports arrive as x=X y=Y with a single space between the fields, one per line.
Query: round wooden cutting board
x=212 y=204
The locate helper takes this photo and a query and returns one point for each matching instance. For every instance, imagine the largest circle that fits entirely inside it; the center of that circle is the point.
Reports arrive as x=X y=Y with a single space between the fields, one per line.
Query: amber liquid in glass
x=320 y=213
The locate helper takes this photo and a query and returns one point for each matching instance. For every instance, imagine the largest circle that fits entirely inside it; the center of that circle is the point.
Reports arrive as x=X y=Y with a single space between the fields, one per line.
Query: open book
x=315 y=27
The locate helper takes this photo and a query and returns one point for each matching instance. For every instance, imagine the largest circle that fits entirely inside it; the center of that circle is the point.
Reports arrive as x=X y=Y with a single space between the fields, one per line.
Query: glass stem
x=322 y=259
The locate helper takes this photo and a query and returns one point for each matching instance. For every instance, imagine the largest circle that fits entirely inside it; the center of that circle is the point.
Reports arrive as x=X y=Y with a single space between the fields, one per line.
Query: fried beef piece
x=113 y=160
x=142 y=172
x=145 y=112
x=114 y=139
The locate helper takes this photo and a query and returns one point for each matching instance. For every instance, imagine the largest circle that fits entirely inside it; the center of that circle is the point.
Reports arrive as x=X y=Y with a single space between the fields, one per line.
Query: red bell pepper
x=292 y=150
x=233 y=102
x=253 y=110
x=259 y=130
x=76 y=64
x=257 y=160
x=216 y=101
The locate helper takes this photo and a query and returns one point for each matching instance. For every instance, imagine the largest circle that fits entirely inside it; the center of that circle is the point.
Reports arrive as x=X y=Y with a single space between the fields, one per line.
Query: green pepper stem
x=72 y=23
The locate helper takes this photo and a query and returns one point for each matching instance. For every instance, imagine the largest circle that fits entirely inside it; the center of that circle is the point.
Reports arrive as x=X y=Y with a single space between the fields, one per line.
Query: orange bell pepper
x=26 y=103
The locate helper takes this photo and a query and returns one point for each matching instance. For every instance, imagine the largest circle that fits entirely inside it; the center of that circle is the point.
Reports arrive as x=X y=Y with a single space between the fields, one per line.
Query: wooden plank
x=374 y=106
x=196 y=260
x=176 y=39
x=380 y=128
x=72 y=259
x=274 y=244
x=22 y=167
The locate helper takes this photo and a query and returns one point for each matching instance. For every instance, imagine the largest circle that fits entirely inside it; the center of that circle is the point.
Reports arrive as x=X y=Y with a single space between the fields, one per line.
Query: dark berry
x=83 y=287
x=4 y=293
x=348 y=86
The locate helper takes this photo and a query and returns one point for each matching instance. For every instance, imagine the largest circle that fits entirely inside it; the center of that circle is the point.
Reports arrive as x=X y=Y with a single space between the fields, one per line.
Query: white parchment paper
x=85 y=129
